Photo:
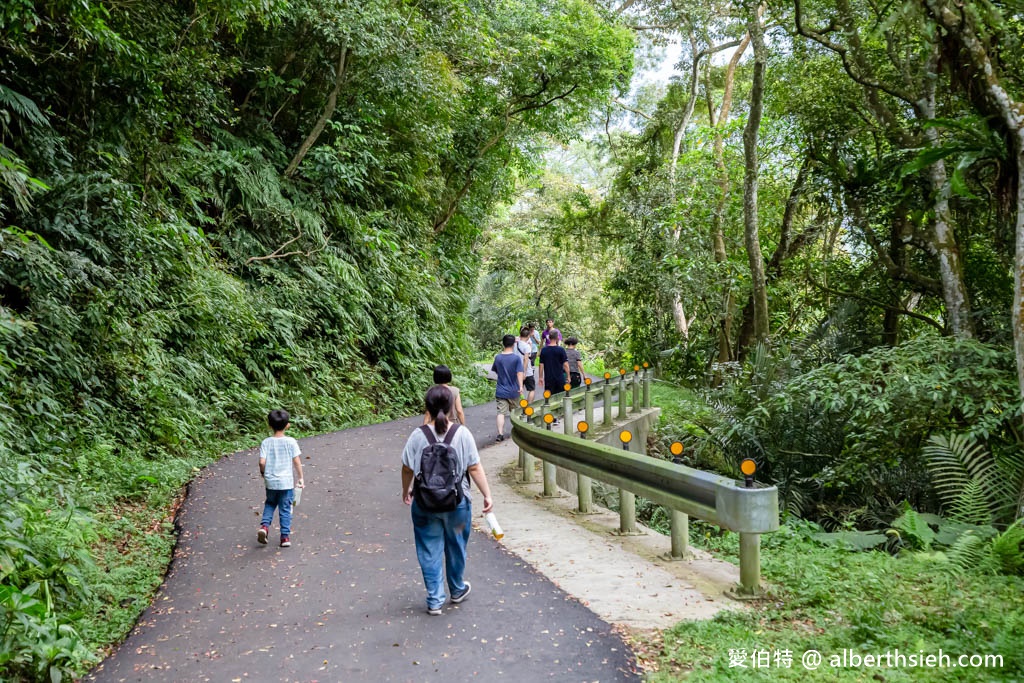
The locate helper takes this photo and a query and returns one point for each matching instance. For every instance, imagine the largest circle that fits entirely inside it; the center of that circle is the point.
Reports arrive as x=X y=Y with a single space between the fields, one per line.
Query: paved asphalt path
x=346 y=602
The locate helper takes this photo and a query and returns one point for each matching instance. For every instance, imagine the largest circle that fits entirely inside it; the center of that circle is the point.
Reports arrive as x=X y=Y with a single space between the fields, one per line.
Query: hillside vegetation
x=209 y=210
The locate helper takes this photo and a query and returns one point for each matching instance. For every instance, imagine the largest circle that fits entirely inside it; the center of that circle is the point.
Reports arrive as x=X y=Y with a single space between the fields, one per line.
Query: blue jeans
x=281 y=499
x=438 y=533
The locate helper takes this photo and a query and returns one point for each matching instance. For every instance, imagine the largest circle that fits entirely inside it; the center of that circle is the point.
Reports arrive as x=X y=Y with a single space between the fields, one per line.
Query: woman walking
x=443 y=376
x=442 y=509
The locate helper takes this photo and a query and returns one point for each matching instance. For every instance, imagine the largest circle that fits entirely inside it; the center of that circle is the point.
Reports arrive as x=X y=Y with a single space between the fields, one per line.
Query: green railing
x=738 y=506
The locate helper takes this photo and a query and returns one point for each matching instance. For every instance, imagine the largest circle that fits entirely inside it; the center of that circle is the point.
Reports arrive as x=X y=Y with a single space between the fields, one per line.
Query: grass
x=830 y=600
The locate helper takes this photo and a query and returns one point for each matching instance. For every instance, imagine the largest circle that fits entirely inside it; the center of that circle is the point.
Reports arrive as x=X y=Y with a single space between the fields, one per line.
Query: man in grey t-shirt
x=575 y=360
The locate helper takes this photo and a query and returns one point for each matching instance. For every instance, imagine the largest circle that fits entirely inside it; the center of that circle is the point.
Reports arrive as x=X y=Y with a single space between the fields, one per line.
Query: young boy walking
x=279 y=456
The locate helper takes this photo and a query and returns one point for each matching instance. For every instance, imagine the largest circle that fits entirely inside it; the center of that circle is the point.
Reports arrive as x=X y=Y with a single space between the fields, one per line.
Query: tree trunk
x=951 y=270
x=751 y=235
x=787 y=247
x=975 y=66
x=679 y=316
x=328 y=112
x=718 y=222
x=947 y=250
x=678 y=312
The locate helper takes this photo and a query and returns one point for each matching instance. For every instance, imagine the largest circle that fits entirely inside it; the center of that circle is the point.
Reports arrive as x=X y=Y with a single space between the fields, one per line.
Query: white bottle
x=493 y=526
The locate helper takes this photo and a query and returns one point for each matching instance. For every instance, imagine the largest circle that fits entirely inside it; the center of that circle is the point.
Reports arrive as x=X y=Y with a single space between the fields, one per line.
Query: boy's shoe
x=261 y=535
x=456 y=599
x=434 y=611
x=501 y=437
x=286 y=542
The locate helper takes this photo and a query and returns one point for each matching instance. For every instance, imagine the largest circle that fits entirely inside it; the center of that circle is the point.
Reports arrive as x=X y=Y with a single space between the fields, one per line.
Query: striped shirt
x=278 y=452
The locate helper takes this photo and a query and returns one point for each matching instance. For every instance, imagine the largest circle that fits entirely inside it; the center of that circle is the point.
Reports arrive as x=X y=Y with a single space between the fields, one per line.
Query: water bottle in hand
x=493 y=526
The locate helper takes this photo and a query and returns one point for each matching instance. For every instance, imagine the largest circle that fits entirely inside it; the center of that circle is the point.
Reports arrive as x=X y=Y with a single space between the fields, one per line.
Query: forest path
x=346 y=601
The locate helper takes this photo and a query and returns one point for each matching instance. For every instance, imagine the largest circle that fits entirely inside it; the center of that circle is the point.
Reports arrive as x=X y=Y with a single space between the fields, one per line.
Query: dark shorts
x=575 y=379
x=530 y=383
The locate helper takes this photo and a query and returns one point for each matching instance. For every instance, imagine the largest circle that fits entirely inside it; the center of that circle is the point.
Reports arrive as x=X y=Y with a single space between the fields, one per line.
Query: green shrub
x=846 y=438
x=44 y=557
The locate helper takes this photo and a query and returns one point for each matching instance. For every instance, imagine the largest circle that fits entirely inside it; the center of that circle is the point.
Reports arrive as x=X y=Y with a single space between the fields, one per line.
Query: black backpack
x=438 y=484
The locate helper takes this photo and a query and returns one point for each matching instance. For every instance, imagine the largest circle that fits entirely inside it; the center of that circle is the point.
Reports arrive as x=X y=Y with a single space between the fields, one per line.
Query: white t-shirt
x=463 y=443
x=524 y=349
x=279 y=451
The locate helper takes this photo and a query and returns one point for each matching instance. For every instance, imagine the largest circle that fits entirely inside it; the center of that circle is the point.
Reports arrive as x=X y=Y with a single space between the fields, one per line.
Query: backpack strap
x=448 y=438
x=429 y=433
x=451 y=434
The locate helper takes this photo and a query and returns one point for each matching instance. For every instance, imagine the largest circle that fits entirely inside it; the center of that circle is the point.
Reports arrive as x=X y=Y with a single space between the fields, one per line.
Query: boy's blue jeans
x=441 y=538
x=281 y=499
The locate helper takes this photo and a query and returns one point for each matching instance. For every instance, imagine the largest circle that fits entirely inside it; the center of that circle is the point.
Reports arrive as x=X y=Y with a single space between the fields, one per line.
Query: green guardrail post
x=627 y=499
x=584 y=485
x=627 y=512
x=607 y=398
x=647 y=372
x=522 y=413
x=636 y=389
x=527 y=458
x=680 y=535
x=588 y=404
x=622 y=395
x=550 y=485
x=567 y=423
x=750 y=564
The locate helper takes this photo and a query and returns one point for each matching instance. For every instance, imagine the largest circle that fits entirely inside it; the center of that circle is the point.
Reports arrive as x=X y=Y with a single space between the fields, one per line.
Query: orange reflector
x=676 y=448
x=582 y=426
x=547 y=394
x=636 y=368
x=646 y=365
x=622 y=371
x=587 y=381
x=528 y=410
x=607 y=375
x=748 y=467
x=625 y=436
x=549 y=418
x=567 y=387
x=523 y=403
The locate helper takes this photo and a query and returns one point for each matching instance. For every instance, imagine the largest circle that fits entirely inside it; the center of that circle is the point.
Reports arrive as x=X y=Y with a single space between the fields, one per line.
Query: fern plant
x=975 y=486
x=1007 y=549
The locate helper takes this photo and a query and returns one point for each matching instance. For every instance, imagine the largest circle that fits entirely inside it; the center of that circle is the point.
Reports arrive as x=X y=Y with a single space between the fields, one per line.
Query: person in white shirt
x=525 y=348
x=279 y=456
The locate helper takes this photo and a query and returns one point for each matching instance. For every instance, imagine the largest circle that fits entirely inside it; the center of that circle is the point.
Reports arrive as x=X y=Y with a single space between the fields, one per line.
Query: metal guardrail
x=714 y=498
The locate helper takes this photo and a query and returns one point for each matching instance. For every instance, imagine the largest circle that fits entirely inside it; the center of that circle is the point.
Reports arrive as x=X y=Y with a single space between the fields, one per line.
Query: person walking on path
x=443 y=376
x=554 y=364
x=279 y=455
x=550 y=329
x=523 y=347
x=441 y=536
x=535 y=343
x=575 y=359
x=508 y=366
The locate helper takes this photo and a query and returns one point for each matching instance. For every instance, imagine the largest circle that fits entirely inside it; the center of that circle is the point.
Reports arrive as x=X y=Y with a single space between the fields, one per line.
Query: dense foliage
x=879 y=210
x=210 y=210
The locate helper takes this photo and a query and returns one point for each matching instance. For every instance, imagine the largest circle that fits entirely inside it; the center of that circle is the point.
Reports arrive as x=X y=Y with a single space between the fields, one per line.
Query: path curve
x=346 y=601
